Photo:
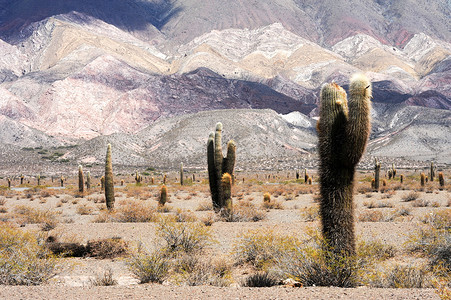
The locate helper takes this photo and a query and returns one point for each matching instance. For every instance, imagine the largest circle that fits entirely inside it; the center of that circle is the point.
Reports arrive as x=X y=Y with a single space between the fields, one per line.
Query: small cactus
x=309 y=180
x=401 y=178
x=305 y=176
x=393 y=170
x=441 y=181
x=9 y=182
x=102 y=183
x=81 y=180
x=384 y=182
x=39 y=180
x=21 y=179
x=422 y=179
x=164 y=179
x=122 y=182
x=163 y=196
x=266 y=197
x=109 y=182
x=152 y=180
x=62 y=181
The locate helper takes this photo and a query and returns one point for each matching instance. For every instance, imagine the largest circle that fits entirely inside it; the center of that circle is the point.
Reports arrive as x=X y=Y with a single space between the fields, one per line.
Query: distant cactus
x=163 y=196
x=102 y=183
x=266 y=197
x=393 y=170
x=152 y=180
x=109 y=183
x=194 y=178
x=21 y=179
x=62 y=181
x=305 y=176
x=219 y=165
x=181 y=173
x=422 y=179
x=373 y=183
x=377 y=170
x=88 y=180
x=384 y=182
x=432 y=171
x=122 y=182
x=441 y=180
x=164 y=179
x=9 y=182
x=81 y=180
x=389 y=174
x=343 y=131
x=401 y=178
x=297 y=175
x=309 y=180
x=138 y=178
x=39 y=180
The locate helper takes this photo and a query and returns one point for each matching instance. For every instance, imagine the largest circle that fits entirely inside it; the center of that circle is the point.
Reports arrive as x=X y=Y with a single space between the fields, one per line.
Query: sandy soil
x=74 y=282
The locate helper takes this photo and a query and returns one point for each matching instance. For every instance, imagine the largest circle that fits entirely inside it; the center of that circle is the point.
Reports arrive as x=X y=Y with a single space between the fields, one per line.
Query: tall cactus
x=181 y=173
x=81 y=180
x=218 y=165
x=432 y=171
x=163 y=196
x=344 y=128
x=377 y=171
x=88 y=180
x=109 y=183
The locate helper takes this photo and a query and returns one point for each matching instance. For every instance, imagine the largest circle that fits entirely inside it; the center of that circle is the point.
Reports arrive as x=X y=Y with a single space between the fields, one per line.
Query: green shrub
x=23 y=260
x=261 y=279
x=153 y=267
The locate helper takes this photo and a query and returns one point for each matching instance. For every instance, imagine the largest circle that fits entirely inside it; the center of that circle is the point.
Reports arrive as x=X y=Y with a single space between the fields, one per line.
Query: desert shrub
x=310 y=214
x=205 y=206
x=440 y=219
x=261 y=279
x=194 y=270
x=421 y=203
x=411 y=196
x=260 y=248
x=104 y=279
x=129 y=212
x=107 y=248
x=152 y=267
x=84 y=209
x=243 y=212
x=23 y=260
x=184 y=216
x=407 y=276
x=29 y=215
x=371 y=216
x=272 y=204
x=188 y=237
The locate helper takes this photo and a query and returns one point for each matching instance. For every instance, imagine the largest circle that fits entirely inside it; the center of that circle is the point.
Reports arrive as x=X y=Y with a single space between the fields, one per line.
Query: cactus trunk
x=377 y=171
x=88 y=180
x=109 y=183
x=181 y=173
x=81 y=180
x=163 y=196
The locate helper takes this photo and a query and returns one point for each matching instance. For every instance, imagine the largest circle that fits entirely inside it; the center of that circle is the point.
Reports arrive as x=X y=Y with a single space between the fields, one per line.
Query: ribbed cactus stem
x=102 y=183
x=88 y=180
x=343 y=134
x=229 y=161
x=432 y=171
x=377 y=171
x=401 y=178
x=81 y=180
x=212 y=175
x=181 y=173
x=422 y=179
x=227 y=190
x=266 y=197
x=163 y=196
x=305 y=176
x=109 y=182
x=441 y=180
x=218 y=161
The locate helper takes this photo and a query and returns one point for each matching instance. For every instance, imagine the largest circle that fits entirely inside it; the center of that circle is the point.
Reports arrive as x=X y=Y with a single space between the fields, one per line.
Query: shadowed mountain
x=143 y=17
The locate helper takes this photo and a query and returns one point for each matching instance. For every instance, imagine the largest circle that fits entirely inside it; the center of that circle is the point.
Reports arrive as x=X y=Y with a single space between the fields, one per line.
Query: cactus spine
x=218 y=165
x=163 y=196
x=344 y=129
x=377 y=171
x=109 y=183
x=81 y=180
x=181 y=173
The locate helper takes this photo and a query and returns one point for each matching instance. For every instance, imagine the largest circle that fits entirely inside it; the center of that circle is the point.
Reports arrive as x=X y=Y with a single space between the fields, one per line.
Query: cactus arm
x=212 y=179
x=218 y=162
x=358 y=125
x=229 y=162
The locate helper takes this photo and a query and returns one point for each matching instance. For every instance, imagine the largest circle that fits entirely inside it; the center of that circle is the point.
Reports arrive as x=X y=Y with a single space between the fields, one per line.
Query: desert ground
x=394 y=228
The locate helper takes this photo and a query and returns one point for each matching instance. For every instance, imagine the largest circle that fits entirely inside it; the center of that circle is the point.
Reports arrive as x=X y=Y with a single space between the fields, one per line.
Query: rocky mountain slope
x=75 y=71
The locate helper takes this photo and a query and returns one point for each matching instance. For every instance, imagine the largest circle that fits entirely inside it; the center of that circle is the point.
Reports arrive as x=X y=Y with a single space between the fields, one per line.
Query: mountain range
x=153 y=77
